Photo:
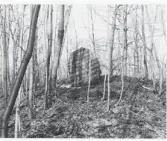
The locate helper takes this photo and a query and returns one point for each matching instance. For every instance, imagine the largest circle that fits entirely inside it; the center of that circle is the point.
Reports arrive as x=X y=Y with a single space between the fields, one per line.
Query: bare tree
x=104 y=87
x=66 y=21
x=18 y=101
x=21 y=72
x=153 y=50
x=59 y=47
x=136 y=50
x=48 y=55
x=125 y=29
x=124 y=53
x=144 y=43
x=92 y=29
x=122 y=78
x=111 y=48
x=5 y=90
x=31 y=78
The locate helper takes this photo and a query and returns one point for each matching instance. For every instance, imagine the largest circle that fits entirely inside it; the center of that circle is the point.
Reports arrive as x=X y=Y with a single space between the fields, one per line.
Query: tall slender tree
x=48 y=55
x=60 y=37
x=5 y=71
x=144 y=43
x=125 y=29
x=111 y=48
x=18 y=101
x=21 y=72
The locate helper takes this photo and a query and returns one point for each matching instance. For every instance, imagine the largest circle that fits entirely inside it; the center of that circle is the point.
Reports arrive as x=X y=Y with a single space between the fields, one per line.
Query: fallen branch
x=151 y=89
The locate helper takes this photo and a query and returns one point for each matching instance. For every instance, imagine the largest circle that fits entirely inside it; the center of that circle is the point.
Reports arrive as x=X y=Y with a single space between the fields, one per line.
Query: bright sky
x=80 y=19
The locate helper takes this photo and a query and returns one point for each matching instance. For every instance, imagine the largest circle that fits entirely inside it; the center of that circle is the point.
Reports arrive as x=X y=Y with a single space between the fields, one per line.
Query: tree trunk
x=122 y=77
x=104 y=88
x=111 y=47
x=160 y=79
x=166 y=78
x=66 y=20
x=89 y=81
x=31 y=89
x=5 y=90
x=14 y=63
x=21 y=72
x=125 y=40
x=93 y=34
x=49 y=33
x=136 y=51
x=31 y=77
x=35 y=62
x=19 y=100
x=144 y=43
x=59 y=46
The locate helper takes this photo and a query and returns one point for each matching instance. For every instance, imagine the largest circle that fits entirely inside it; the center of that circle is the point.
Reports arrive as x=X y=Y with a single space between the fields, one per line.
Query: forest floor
x=140 y=114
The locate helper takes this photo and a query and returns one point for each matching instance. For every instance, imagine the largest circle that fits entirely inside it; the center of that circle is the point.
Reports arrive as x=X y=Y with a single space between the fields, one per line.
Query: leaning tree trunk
x=59 y=46
x=21 y=71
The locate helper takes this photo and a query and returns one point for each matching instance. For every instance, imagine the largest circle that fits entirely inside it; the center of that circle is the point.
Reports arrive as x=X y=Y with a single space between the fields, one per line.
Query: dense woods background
x=45 y=74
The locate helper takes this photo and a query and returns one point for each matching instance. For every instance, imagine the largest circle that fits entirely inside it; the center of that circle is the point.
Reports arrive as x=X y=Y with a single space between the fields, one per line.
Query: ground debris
x=140 y=114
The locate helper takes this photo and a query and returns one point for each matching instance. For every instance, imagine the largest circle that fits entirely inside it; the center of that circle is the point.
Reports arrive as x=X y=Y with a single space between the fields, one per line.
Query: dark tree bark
x=21 y=71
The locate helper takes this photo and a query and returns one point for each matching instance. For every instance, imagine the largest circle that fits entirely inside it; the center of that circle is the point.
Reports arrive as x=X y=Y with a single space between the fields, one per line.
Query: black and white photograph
x=70 y=70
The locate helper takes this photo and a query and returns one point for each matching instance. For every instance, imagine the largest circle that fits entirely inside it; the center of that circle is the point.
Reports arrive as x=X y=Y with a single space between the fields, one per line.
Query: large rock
x=78 y=67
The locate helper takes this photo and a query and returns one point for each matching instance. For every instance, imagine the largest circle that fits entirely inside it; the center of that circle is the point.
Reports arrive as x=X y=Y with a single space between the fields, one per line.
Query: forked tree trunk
x=21 y=71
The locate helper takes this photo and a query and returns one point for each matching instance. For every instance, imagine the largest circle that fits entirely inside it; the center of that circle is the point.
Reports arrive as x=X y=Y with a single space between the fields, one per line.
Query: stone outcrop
x=78 y=67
